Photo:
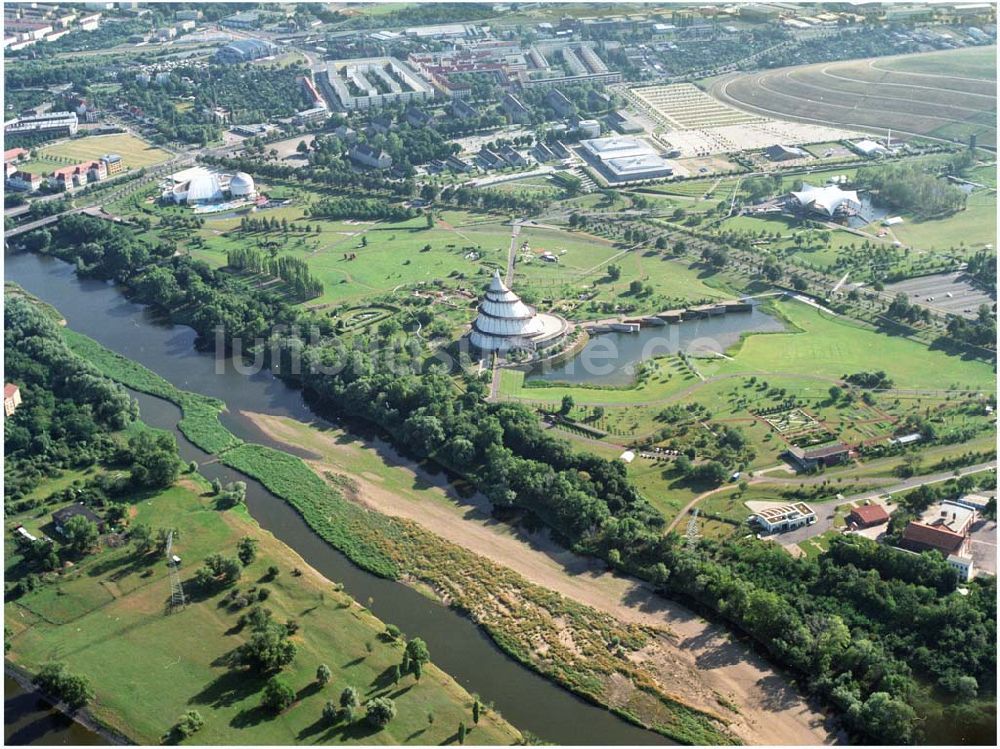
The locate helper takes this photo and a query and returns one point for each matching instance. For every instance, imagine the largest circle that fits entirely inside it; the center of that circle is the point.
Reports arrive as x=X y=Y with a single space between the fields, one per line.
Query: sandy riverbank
x=693 y=657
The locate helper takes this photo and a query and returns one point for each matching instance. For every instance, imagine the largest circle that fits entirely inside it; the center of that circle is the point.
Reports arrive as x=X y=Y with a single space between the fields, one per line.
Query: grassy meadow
x=136 y=153
x=829 y=347
x=107 y=618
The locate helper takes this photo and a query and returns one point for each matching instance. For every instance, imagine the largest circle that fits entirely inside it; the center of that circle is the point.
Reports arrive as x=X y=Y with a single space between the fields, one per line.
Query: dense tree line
x=982 y=269
x=980 y=331
x=252 y=93
x=293 y=271
x=868 y=41
x=868 y=632
x=908 y=187
x=67 y=407
x=336 y=173
x=368 y=209
x=901 y=308
x=494 y=200
x=409 y=145
x=190 y=290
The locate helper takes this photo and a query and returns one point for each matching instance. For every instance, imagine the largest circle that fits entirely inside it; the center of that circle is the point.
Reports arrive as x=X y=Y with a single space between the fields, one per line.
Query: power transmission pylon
x=176 y=589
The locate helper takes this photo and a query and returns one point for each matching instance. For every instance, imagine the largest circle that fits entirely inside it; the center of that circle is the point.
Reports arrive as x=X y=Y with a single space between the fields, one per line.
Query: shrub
x=277 y=695
x=380 y=711
x=54 y=679
x=189 y=724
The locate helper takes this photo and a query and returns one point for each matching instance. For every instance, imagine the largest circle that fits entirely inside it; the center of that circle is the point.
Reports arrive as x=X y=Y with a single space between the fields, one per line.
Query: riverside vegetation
x=260 y=626
x=870 y=640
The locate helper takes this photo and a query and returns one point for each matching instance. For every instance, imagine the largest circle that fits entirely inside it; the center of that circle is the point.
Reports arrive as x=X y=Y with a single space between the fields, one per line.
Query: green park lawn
x=972 y=228
x=668 y=380
x=394 y=255
x=106 y=619
x=829 y=347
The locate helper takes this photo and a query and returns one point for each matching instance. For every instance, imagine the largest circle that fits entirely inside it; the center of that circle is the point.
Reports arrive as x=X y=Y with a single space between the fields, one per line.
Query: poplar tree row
x=293 y=271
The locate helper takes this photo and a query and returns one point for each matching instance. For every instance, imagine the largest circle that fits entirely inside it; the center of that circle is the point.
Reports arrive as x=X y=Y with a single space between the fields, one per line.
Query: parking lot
x=947 y=293
x=984 y=546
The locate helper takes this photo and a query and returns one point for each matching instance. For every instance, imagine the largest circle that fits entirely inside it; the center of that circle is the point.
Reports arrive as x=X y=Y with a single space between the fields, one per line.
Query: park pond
x=525 y=698
x=612 y=359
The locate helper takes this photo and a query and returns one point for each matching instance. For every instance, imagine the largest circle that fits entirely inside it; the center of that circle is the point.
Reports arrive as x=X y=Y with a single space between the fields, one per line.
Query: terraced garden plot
x=794 y=421
x=876 y=94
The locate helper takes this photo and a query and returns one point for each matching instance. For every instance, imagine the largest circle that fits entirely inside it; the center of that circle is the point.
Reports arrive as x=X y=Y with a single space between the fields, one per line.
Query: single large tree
x=80 y=533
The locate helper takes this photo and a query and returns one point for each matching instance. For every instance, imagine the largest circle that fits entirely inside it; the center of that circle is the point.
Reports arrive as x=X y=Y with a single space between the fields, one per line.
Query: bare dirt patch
x=691 y=657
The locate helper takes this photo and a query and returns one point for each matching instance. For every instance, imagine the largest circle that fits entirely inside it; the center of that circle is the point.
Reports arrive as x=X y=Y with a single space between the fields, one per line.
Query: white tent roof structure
x=827 y=200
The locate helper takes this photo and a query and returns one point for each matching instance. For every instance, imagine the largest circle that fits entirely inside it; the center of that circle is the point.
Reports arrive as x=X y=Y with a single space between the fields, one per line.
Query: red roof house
x=919 y=536
x=868 y=515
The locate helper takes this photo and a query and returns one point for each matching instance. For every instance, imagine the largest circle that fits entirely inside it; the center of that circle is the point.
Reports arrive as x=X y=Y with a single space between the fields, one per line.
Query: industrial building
x=785 y=153
x=868 y=148
x=373 y=82
x=50 y=123
x=244 y=50
x=248 y=19
x=622 y=159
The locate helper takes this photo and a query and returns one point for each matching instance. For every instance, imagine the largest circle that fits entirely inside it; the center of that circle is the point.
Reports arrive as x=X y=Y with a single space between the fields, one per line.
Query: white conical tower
x=504 y=321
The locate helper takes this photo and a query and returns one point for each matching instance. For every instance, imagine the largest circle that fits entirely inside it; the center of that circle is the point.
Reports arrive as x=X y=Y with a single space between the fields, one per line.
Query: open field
x=971 y=229
x=135 y=153
x=388 y=255
x=831 y=346
x=972 y=62
x=878 y=94
x=152 y=667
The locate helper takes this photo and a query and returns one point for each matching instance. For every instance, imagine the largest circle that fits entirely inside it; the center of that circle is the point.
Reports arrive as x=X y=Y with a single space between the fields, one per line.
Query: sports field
x=920 y=94
x=135 y=152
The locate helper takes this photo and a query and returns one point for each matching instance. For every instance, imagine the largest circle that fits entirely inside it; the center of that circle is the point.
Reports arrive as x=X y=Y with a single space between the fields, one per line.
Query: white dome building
x=242 y=186
x=194 y=186
x=505 y=322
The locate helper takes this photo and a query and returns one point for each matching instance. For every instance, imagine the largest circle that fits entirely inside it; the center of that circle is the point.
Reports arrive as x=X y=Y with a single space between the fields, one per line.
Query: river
x=99 y=310
x=30 y=720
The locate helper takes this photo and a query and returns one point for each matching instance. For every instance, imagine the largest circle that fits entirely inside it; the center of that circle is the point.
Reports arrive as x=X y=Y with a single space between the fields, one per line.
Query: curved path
x=827 y=110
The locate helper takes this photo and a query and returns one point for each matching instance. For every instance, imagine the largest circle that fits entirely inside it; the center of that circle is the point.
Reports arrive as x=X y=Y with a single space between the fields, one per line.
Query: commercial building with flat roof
x=244 y=50
x=783 y=518
x=52 y=123
x=622 y=159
